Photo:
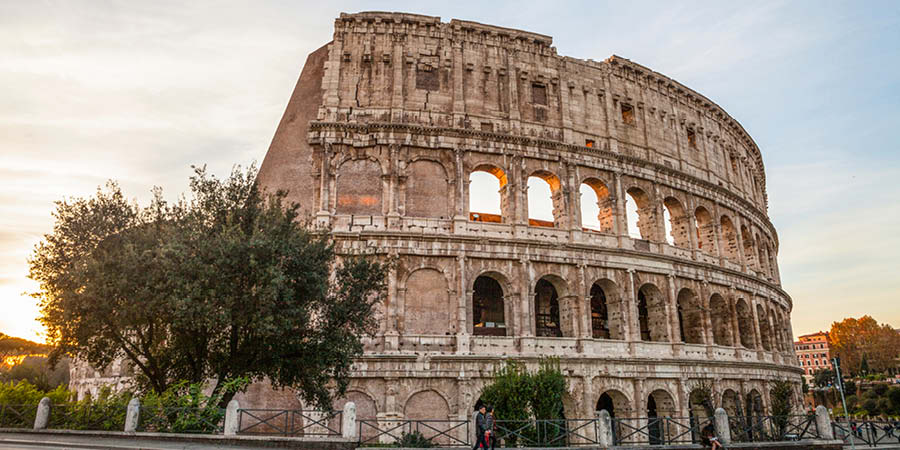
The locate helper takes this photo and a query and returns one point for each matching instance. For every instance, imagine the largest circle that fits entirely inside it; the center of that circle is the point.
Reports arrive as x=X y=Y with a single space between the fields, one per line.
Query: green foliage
x=870 y=405
x=226 y=284
x=852 y=402
x=186 y=408
x=105 y=412
x=518 y=395
x=25 y=393
x=849 y=387
x=823 y=377
x=414 y=439
x=880 y=390
x=805 y=386
x=893 y=396
x=36 y=371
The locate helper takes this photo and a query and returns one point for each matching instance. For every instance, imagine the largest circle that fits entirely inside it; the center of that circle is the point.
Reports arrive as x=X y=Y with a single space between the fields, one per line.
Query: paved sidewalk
x=88 y=441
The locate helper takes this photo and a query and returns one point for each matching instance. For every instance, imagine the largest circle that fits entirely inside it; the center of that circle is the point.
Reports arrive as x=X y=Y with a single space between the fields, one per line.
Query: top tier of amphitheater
x=415 y=69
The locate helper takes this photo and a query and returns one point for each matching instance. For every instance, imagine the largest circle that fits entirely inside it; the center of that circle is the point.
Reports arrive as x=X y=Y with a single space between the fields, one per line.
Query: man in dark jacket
x=480 y=428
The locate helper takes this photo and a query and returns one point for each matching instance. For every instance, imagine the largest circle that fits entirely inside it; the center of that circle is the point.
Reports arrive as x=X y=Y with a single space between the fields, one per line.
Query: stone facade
x=385 y=127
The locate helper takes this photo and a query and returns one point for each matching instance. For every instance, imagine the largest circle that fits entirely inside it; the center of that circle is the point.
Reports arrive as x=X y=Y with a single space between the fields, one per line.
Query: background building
x=813 y=352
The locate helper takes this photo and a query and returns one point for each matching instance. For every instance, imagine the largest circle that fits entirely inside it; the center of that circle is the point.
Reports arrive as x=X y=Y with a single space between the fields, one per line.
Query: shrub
x=894 y=396
x=414 y=439
x=104 y=412
x=870 y=405
x=880 y=389
x=185 y=408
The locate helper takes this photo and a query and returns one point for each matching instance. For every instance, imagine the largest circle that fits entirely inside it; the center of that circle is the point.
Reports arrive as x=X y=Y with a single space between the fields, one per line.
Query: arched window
x=720 y=313
x=705 y=231
x=729 y=240
x=615 y=403
x=677 y=223
x=640 y=215
x=763 y=258
x=745 y=324
x=546 y=305
x=599 y=313
x=359 y=188
x=427 y=190
x=545 y=203
x=690 y=317
x=597 y=209
x=488 y=313
x=765 y=329
x=652 y=314
x=749 y=247
x=488 y=194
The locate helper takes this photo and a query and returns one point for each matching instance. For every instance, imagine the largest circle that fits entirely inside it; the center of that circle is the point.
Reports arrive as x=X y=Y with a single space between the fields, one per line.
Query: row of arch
x=605 y=312
x=634 y=210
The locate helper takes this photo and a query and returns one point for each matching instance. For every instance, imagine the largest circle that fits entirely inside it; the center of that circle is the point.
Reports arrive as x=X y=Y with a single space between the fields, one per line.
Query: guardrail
x=773 y=428
x=17 y=416
x=289 y=422
x=444 y=432
x=868 y=432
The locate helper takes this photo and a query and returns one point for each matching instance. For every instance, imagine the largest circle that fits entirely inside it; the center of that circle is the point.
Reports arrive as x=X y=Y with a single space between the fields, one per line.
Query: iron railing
x=868 y=432
x=181 y=420
x=289 y=422
x=17 y=416
x=659 y=430
x=85 y=416
x=443 y=432
x=773 y=428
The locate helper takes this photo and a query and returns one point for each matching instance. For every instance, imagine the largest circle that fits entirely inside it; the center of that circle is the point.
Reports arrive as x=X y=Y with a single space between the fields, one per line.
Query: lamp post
x=836 y=362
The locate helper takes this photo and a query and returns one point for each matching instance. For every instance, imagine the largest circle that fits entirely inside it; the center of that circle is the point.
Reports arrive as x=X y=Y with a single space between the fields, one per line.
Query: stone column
x=632 y=325
x=527 y=299
x=672 y=311
x=349 y=430
x=621 y=218
x=735 y=327
x=585 y=297
x=723 y=428
x=708 y=332
x=605 y=430
x=464 y=300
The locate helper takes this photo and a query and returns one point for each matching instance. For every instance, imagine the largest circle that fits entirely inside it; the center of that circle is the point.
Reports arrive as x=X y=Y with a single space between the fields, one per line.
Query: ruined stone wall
x=378 y=143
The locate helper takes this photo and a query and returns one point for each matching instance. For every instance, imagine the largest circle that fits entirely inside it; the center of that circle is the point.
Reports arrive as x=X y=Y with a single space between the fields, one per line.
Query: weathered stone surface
x=379 y=140
x=132 y=415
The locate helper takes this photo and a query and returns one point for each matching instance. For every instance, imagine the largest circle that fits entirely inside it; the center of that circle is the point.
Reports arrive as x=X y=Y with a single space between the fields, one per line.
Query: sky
x=140 y=91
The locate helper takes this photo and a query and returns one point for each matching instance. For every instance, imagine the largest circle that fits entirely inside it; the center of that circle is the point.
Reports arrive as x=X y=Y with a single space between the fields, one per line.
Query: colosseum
x=656 y=269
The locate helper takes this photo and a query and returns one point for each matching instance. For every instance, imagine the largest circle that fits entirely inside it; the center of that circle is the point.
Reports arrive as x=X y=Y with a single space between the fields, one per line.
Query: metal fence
x=82 y=416
x=17 y=416
x=868 y=432
x=659 y=430
x=181 y=419
x=289 y=422
x=443 y=432
x=773 y=428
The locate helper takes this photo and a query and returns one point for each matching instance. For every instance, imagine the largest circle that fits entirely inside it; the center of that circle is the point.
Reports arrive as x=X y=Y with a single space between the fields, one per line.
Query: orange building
x=814 y=352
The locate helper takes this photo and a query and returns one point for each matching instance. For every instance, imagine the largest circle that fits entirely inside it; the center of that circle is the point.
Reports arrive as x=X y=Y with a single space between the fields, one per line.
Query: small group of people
x=484 y=428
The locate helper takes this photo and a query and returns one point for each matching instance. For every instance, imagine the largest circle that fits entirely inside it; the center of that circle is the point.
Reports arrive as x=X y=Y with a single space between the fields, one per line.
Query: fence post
x=723 y=428
x=231 y=418
x=823 y=423
x=42 y=416
x=132 y=415
x=604 y=429
x=348 y=421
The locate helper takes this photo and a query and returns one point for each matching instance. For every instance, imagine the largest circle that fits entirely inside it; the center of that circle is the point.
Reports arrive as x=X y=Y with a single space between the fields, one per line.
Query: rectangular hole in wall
x=589 y=143
x=487 y=126
x=427 y=78
x=692 y=138
x=627 y=113
x=539 y=94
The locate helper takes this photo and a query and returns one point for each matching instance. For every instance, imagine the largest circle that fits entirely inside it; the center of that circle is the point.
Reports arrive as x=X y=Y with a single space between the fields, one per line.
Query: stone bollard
x=823 y=423
x=723 y=428
x=42 y=416
x=132 y=415
x=232 y=419
x=348 y=421
x=604 y=429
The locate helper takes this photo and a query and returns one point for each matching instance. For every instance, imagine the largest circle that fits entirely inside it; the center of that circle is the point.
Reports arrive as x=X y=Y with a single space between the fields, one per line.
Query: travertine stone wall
x=378 y=143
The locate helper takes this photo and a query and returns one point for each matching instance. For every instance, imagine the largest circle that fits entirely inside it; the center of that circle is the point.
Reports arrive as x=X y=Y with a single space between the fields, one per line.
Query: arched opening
x=770 y=251
x=749 y=247
x=597 y=207
x=690 y=317
x=652 y=314
x=745 y=324
x=488 y=194
x=729 y=240
x=755 y=406
x=429 y=405
x=546 y=305
x=677 y=223
x=615 y=403
x=599 y=313
x=765 y=329
x=359 y=188
x=731 y=403
x=606 y=311
x=366 y=409
x=706 y=231
x=763 y=258
x=429 y=311
x=640 y=215
x=427 y=190
x=720 y=318
x=488 y=313
x=545 y=202
x=660 y=404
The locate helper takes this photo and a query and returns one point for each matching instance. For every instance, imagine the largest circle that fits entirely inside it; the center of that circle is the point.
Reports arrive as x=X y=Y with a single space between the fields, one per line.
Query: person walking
x=480 y=424
x=489 y=425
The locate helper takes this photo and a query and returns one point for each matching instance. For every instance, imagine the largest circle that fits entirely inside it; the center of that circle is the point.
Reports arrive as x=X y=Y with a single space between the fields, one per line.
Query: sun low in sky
x=139 y=91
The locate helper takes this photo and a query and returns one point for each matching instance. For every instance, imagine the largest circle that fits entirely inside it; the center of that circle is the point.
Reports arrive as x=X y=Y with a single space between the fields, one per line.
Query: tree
x=781 y=395
x=823 y=377
x=863 y=339
x=224 y=285
x=12 y=346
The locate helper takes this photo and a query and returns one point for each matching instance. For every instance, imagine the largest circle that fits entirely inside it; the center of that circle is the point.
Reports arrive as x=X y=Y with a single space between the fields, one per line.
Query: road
x=32 y=441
